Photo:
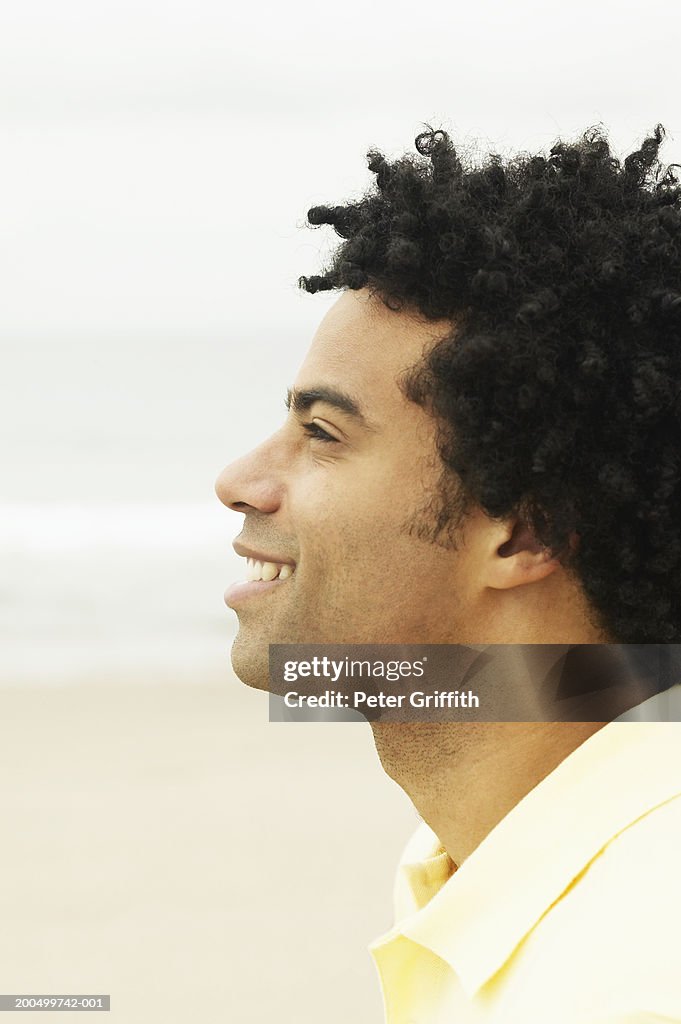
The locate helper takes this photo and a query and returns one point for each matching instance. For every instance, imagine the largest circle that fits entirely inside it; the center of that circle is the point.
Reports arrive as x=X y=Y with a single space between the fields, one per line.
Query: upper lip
x=260 y=556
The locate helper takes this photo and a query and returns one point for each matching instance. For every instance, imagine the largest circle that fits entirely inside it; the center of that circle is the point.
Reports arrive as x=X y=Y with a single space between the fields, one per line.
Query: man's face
x=339 y=496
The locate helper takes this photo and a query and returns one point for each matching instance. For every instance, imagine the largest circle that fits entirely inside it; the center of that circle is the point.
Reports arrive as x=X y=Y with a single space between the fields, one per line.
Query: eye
x=318 y=433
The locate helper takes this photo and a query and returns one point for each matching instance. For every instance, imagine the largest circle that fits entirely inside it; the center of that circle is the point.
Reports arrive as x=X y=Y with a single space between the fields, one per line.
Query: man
x=484 y=447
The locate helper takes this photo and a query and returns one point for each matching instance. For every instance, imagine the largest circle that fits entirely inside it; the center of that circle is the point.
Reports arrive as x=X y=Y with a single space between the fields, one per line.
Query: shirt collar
x=474 y=919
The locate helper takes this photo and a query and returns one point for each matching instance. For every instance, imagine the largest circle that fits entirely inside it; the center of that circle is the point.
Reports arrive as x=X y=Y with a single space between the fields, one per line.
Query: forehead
x=363 y=348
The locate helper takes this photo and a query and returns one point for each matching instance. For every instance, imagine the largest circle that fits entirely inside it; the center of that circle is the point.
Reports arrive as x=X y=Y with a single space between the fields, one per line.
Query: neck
x=463 y=778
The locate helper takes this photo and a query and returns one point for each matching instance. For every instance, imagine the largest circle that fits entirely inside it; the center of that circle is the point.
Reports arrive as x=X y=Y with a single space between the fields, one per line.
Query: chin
x=251 y=663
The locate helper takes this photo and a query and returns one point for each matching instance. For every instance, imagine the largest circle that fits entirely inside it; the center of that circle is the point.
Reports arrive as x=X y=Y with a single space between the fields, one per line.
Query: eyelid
x=331 y=428
x=335 y=433
x=316 y=430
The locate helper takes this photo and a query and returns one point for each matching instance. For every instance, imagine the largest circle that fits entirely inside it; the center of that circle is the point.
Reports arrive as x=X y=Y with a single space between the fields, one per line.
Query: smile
x=267 y=571
x=261 y=578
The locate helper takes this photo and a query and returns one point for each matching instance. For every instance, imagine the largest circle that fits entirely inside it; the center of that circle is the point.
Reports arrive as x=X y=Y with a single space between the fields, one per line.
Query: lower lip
x=239 y=592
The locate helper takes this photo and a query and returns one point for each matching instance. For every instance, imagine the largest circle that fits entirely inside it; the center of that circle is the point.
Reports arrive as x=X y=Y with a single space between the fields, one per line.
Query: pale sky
x=158 y=156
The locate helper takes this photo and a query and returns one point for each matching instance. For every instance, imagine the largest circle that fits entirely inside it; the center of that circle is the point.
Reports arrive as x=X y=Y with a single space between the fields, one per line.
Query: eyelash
x=318 y=433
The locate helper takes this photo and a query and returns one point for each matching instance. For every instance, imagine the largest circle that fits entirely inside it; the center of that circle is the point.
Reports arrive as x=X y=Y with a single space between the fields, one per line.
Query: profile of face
x=340 y=502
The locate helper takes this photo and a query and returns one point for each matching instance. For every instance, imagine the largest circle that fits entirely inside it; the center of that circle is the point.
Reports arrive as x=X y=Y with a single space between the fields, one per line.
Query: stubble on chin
x=250 y=662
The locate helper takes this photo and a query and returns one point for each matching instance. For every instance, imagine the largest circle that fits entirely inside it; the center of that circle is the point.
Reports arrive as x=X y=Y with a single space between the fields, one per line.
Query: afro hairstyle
x=557 y=392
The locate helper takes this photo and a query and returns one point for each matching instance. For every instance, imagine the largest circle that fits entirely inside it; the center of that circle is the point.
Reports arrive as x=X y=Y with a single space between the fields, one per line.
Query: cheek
x=359 y=512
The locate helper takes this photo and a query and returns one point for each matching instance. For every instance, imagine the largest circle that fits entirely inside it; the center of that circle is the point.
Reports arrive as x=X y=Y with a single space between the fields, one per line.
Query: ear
x=516 y=557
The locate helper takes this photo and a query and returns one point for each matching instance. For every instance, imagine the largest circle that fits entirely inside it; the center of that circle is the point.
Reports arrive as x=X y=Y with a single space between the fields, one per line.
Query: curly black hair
x=558 y=389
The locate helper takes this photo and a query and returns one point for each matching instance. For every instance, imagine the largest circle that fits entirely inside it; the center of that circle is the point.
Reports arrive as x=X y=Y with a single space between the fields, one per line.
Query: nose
x=254 y=482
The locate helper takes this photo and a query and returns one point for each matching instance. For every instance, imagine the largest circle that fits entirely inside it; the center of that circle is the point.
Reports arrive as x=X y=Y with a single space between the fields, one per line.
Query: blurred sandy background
x=162 y=841
x=167 y=845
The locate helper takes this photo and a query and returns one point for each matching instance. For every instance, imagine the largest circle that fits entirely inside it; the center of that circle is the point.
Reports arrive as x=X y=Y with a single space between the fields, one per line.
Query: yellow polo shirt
x=569 y=912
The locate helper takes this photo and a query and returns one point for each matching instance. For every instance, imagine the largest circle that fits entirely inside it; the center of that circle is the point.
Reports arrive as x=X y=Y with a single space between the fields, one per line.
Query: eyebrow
x=301 y=399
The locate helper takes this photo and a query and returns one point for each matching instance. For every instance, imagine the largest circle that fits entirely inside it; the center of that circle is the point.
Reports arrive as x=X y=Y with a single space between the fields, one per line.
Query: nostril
x=251 y=484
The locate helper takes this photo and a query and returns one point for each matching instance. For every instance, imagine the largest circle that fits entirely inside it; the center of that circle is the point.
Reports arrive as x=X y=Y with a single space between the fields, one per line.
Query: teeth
x=266 y=571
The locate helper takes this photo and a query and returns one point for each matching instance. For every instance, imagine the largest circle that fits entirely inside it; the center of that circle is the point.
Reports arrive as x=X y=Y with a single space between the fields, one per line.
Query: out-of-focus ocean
x=115 y=551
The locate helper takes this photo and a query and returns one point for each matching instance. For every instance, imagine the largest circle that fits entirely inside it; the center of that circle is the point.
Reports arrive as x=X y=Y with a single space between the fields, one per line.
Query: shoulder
x=619 y=920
